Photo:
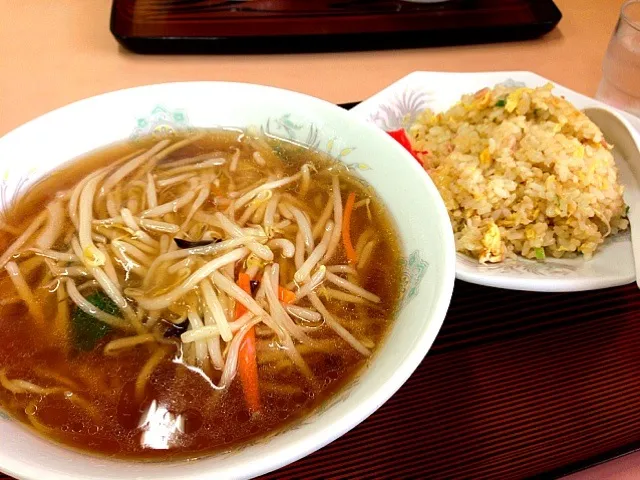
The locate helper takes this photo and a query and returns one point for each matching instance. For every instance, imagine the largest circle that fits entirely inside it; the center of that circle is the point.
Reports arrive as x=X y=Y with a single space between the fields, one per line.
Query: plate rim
x=513 y=282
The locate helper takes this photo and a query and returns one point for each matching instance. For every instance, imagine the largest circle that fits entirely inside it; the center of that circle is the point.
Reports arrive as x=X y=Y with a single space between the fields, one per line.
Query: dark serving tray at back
x=260 y=26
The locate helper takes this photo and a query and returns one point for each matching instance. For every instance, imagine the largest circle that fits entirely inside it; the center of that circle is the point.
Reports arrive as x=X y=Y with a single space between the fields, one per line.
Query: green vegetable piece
x=501 y=103
x=540 y=253
x=88 y=330
x=626 y=211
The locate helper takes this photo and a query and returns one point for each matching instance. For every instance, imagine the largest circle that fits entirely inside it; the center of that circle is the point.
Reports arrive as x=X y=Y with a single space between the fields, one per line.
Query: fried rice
x=522 y=172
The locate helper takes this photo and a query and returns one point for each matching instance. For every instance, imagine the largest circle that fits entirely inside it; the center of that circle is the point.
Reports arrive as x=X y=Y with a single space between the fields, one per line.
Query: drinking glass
x=620 y=84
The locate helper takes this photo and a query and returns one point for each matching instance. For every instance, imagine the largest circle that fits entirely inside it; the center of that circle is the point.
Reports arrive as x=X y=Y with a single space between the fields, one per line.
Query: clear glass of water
x=620 y=84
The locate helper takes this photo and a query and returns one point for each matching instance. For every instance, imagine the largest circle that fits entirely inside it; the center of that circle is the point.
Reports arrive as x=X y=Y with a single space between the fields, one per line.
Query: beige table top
x=54 y=52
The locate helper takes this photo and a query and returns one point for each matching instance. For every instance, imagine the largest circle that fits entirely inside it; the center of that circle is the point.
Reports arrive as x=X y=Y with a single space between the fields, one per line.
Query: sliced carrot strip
x=346 y=229
x=286 y=296
x=247 y=363
x=248 y=371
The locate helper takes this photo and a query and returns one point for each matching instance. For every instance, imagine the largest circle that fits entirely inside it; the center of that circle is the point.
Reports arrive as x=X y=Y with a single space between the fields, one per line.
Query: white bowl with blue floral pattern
x=398 y=106
x=35 y=149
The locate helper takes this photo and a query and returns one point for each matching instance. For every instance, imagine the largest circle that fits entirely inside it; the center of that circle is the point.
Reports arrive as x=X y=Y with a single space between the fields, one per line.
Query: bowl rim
x=406 y=365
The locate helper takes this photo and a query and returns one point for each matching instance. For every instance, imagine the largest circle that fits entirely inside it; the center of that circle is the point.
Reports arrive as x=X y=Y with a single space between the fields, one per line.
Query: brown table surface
x=517 y=384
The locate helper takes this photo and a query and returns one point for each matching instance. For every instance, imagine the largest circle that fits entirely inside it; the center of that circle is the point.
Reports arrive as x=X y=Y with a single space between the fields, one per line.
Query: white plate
x=397 y=106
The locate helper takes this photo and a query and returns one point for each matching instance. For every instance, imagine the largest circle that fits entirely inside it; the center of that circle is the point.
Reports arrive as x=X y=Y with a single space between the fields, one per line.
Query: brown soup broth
x=95 y=408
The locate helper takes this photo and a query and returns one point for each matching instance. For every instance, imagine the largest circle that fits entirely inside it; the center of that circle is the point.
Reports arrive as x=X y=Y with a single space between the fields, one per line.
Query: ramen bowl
x=34 y=150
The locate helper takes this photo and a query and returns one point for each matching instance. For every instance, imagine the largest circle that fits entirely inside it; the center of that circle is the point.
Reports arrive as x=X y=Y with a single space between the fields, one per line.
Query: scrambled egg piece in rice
x=492 y=245
x=522 y=172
